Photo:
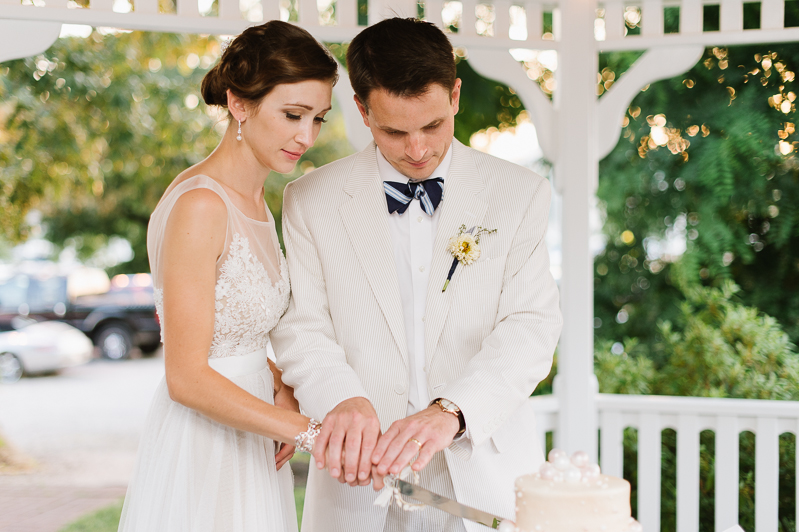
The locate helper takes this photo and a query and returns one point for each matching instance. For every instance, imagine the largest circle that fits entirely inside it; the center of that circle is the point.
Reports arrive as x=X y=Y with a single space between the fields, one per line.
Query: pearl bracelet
x=304 y=441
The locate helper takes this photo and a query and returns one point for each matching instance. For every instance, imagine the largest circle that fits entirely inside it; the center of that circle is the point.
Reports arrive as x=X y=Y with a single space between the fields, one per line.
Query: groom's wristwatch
x=451 y=408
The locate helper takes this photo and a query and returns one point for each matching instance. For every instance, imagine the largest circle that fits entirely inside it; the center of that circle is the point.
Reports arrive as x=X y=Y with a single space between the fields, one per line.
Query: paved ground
x=82 y=428
x=47 y=509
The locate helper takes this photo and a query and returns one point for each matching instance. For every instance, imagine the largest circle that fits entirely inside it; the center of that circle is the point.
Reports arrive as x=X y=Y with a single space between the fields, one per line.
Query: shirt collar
x=389 y=173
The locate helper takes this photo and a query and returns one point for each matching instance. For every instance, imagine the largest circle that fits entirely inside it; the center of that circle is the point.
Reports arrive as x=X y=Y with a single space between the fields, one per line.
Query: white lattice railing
x=689 y=416
x=642 y=24
x=620 y=24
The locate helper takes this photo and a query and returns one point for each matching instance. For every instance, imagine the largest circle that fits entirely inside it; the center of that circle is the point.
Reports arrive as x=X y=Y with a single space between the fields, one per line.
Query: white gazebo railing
x=689 y=416
x=496 y=24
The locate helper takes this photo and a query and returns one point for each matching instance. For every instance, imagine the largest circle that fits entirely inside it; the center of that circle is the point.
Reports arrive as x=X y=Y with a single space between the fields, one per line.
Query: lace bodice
x=248 y=304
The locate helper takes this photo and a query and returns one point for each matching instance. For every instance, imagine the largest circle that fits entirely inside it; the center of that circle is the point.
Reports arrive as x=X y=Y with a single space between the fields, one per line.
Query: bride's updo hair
x=263 y=57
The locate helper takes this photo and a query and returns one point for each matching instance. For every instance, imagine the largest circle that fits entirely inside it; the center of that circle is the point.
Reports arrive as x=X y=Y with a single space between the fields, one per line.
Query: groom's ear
x=455 y=97
x=363 y=110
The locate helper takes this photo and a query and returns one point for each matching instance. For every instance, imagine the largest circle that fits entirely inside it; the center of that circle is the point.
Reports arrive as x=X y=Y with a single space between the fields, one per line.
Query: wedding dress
x=193 y=474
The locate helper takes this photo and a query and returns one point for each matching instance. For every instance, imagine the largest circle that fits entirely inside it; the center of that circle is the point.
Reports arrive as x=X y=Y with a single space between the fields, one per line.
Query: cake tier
x=601 y=505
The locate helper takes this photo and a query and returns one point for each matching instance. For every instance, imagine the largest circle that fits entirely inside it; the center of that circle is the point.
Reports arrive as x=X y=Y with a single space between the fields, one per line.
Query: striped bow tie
x=400 y=195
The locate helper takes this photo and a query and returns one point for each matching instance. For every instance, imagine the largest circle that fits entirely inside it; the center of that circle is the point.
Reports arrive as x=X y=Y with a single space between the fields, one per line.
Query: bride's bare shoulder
x=182 y=177
x=200 y=207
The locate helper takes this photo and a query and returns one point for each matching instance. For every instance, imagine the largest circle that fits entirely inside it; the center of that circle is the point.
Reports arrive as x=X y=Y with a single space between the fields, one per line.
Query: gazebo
x=575 y=130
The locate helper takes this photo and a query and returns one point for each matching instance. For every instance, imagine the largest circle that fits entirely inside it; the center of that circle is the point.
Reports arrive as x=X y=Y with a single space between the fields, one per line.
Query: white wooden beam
x=23 y=38
x=652 y=18
x=148 y=7
x=347 y=13
x=688 y=474
x=500 y=65
x=772 y=14
x=468 y=18
x=612 y=437
x=188 y=8
x=656 y=64
x=229 y=9
x=710 y=38
x=767 y=475
x=649 y=468
x=726 y=472
x=357 y=133
x=576 y=169
x=691 y=17
x=732 y=15
x=614 y=20
x=534 y=13
x=308 y=12
x=501 y=18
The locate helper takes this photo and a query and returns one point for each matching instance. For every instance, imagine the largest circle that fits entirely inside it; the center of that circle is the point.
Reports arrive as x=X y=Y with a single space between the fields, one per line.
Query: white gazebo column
x=576 y=171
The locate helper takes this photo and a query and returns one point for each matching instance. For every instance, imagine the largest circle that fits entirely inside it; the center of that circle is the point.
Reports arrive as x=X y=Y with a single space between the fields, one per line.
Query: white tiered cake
x=570 y=495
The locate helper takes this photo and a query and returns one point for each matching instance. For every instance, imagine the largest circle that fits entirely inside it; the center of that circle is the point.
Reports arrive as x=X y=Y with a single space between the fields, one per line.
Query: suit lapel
x=462 y=204
x=365 y=219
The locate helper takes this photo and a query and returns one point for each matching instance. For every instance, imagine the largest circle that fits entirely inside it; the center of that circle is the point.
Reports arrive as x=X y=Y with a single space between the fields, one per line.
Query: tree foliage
x=95 y=129
x=709 y=158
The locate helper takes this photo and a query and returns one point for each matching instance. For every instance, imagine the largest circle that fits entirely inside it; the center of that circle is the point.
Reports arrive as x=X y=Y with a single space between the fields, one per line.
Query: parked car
x=117 y=314
x=41 y=347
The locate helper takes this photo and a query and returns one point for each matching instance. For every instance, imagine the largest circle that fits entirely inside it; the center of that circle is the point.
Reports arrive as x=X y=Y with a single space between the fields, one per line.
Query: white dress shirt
x=412 y=236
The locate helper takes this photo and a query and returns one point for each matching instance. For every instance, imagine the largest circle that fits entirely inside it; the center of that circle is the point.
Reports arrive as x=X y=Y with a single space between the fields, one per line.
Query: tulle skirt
x=193 y=474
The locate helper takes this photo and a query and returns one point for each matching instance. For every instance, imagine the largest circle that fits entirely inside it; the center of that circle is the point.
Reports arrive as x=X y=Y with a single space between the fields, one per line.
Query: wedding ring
x=417 y=442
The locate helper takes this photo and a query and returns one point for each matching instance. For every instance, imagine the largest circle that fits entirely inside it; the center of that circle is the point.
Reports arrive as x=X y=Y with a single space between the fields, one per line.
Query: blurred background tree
x=695 y=289
x=707 y=159
x=93 y=131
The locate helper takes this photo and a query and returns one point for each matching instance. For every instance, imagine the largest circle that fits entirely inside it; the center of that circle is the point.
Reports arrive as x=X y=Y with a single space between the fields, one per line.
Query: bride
x=222 y=425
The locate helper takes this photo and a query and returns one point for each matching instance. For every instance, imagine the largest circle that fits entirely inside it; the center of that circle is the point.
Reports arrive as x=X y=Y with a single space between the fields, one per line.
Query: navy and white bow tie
x=400 y=195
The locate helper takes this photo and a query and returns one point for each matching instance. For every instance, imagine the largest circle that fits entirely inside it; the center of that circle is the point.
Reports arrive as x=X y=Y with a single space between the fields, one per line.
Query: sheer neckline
x=270 y=219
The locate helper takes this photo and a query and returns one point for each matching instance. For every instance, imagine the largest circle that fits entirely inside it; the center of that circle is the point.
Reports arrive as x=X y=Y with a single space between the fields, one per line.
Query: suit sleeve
x=304 y=340
x=517 y=354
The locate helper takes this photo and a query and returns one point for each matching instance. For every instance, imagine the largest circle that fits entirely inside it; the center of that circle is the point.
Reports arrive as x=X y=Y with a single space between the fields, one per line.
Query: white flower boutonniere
x=465 y=247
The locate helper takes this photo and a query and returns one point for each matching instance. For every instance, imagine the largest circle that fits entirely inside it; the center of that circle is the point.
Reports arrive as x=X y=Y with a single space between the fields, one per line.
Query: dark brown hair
x=403 y=56
x=263 y=57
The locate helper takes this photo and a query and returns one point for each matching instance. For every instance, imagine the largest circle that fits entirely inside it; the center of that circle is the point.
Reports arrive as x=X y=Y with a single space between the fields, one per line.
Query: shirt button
x=422 y=318
x=421 y=268
x=419 y=219
x=399 y=388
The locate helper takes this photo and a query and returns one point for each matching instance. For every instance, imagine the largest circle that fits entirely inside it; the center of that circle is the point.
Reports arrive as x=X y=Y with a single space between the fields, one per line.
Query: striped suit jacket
x=489 y=338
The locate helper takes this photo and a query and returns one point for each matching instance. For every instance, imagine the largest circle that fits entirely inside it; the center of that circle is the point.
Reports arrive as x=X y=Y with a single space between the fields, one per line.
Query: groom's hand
x=351 y=429
x=425 y=432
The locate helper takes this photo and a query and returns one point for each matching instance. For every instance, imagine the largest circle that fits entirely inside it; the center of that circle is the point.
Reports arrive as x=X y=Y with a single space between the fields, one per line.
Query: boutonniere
x=465 y=248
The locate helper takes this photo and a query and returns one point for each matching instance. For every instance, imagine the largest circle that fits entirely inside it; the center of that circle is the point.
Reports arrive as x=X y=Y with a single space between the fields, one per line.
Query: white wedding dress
x=193 y=474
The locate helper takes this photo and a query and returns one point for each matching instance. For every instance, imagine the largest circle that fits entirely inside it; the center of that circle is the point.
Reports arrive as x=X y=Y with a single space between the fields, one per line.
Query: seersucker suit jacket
x=489 y=338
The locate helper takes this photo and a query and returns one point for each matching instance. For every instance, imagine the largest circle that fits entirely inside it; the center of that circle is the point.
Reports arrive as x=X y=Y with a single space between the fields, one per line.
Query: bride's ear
x=236 y=106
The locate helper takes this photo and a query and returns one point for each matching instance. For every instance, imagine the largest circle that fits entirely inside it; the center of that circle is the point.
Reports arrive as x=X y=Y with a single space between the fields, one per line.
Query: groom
x=372 y=344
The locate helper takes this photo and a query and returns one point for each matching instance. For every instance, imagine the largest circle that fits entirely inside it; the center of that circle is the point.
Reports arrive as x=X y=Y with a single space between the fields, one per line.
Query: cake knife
x=447 y=505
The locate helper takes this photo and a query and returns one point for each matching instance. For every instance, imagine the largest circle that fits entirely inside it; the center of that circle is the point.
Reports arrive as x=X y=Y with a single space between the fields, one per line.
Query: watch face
x=448 y=405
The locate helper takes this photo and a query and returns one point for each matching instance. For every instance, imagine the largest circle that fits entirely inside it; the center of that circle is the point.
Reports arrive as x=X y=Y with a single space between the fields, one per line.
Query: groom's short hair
x=403 y=56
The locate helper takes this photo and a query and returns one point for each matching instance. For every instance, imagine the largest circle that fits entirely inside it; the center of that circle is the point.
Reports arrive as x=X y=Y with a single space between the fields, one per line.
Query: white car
x=42 y=347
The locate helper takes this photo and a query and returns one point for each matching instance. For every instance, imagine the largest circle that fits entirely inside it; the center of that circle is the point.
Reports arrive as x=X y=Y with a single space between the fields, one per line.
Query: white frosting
x=569 y=494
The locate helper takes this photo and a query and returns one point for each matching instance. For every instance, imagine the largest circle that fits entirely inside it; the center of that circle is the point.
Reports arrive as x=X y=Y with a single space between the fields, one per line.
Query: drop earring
x=238 y=137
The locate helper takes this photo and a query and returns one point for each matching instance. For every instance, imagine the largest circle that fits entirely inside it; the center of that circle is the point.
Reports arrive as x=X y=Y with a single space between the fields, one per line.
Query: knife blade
x=447 y=505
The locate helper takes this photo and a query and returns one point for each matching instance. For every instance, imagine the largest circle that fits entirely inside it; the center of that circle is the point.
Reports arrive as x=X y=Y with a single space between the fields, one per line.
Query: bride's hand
x=283 y=455
x=284 y=398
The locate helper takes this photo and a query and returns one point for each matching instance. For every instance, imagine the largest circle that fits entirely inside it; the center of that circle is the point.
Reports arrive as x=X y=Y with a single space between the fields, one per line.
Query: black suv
x=117 y=315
